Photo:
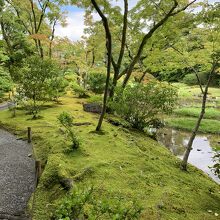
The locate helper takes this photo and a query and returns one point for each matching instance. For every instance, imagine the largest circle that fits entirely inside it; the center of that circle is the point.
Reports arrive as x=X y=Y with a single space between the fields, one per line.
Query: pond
x=201 y=155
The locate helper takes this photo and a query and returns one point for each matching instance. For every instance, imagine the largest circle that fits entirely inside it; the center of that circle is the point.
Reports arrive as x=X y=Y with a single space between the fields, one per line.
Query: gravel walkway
x=6 y=105
x=17 y=174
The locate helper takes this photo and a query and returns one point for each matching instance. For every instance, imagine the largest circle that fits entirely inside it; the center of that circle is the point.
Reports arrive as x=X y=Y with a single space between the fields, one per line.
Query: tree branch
x=148 y=36
x=195 y=71
x=124 y=34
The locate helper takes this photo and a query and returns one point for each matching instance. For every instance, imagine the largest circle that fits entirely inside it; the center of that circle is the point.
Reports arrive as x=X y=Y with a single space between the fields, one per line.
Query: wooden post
x=29 y=134
x=37 y=170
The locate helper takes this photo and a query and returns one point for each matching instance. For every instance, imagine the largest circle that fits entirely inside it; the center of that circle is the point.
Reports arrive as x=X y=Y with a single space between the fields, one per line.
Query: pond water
x=201 y=155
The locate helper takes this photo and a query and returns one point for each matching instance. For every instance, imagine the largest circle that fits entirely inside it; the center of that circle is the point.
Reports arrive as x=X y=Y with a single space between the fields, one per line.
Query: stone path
x=17 y=176
x=6 y=105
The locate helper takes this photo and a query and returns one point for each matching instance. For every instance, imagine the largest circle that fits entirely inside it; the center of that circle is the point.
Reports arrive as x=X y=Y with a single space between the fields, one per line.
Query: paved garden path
x=17 y=176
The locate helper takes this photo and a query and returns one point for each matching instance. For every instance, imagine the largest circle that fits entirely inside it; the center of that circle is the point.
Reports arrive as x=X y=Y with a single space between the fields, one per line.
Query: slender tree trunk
x=52 y=38
x=93 y=58
x=142 y=77
x=41 y=49
x=117 y=66
x=114 y=84
x=183 y=165
x=109 y=56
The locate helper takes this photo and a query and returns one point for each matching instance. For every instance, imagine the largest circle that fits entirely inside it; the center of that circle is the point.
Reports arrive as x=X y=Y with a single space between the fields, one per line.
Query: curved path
x=17 y=176
x=6 y=105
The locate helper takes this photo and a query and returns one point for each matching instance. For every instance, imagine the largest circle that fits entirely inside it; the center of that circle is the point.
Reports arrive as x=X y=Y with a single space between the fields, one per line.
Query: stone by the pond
x=199 y=150
x=92 y=107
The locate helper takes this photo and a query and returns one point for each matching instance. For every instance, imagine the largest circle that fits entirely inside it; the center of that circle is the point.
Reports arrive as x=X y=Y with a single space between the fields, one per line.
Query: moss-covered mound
x=116 y=162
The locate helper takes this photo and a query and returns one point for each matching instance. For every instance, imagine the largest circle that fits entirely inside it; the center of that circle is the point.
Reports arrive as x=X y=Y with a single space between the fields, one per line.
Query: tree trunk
x=114 y=84
x=109 y=51
x=183 y=165
x=142 y=77
x=52 y=38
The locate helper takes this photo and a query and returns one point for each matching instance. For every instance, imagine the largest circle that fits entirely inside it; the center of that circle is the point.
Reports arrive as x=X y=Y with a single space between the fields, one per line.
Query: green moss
x=118 y=162
x=211 y=113
x=185 y=123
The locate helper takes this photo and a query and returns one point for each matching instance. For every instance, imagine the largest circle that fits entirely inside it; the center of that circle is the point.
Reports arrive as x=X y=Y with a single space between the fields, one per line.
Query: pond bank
x=201 y=155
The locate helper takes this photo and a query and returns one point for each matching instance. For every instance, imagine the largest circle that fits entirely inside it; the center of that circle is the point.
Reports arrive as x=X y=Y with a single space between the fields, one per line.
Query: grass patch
x=186 y=91
x=211 y=113
x=117 y=163
x=185 y=123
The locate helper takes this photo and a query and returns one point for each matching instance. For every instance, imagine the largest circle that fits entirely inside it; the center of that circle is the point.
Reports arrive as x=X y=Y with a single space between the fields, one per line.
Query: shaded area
x=17 y=172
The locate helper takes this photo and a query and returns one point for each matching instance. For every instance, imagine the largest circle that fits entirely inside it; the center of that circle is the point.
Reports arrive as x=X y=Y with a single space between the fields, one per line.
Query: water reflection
x=201 y=154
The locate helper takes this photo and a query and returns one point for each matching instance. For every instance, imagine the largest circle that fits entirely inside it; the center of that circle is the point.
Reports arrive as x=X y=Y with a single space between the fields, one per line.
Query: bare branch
x=194 y=70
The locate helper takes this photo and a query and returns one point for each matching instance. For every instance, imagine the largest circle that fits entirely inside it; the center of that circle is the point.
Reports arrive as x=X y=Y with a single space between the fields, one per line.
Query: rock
x=92 y=107
x=160 y=205
x=29 y=155
x=199 y=150
x=216 y=214
x=66 y=183
x=209 y=211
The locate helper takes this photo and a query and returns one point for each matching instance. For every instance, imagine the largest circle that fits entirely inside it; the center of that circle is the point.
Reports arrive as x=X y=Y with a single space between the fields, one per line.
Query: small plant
x=66 y=120
x=82 y=204
x=216 y=166
x=80 y=91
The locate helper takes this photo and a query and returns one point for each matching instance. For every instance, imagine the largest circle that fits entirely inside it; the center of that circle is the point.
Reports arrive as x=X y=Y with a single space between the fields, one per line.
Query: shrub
x=79 y=90
x=96 y=82
x=35 y=83
x=95 y=99
x=57 y=87
x=6 y=83
x=66 y=120
x=141 y=104
x=82 y=204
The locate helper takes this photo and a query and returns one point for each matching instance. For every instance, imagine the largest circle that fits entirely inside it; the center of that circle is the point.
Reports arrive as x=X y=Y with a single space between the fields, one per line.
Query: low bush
x=96 y=82
x=82 y=204
x=79 y=90
x=141 y=104
x=66 y=120
x=95 y=99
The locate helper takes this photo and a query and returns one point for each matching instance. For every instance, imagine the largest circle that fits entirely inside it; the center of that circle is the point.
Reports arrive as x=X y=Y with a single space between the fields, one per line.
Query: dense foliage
x=81 y=204
x=141 y=104
x=36 y=83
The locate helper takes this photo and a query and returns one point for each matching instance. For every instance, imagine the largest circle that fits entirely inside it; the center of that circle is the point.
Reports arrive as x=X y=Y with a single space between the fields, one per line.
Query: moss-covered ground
x=116 y=162
x=189 y=106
